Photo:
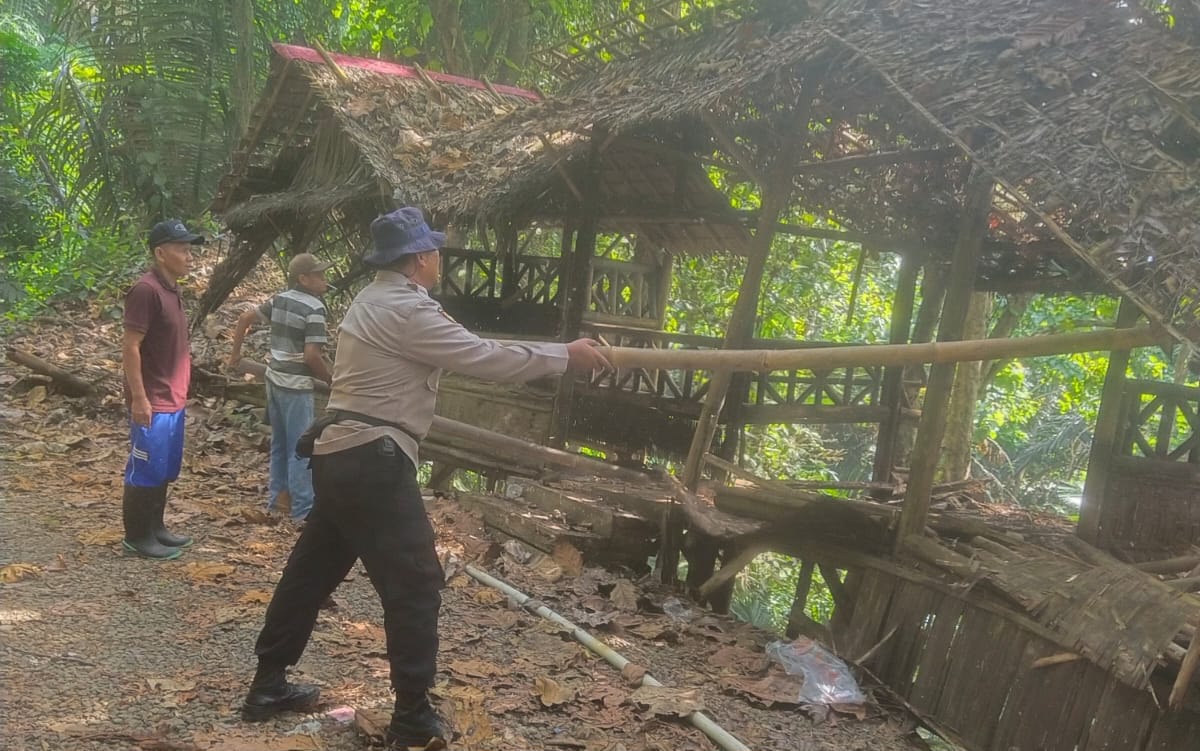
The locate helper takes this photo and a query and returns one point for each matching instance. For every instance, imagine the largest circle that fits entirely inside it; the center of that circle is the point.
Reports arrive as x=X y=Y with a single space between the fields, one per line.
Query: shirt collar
x=165 y=284
x=396 y=278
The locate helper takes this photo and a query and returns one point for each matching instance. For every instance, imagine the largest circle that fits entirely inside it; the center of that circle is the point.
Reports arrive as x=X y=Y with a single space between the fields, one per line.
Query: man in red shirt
x=158 y=367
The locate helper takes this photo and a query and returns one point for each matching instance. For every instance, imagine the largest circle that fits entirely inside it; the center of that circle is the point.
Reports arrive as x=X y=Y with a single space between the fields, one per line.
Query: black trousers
x=368 y=505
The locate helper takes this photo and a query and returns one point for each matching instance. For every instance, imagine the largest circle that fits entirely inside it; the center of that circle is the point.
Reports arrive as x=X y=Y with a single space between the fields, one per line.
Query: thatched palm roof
x=1087 y=116
x=318 y=139
x=326 y=143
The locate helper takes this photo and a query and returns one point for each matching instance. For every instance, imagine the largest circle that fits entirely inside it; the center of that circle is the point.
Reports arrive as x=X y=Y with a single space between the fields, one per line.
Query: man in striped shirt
x=298 y=337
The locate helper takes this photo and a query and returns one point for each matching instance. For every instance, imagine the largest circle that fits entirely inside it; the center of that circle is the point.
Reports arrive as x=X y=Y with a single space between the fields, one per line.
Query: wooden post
x=663 y=290
x=933 y=292
x=579 y=268
x=1104 y=437
x=573 y=280
x=506 y=249
x=977 y=202
x=892 y=391
x=741 y=324
x=798 y=615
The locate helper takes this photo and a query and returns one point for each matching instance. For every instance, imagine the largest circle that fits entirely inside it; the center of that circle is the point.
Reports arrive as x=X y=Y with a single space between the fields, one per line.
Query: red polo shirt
x=156 y=309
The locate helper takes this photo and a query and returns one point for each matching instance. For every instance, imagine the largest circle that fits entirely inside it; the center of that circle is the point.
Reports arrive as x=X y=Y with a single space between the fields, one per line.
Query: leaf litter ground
x=103 y=651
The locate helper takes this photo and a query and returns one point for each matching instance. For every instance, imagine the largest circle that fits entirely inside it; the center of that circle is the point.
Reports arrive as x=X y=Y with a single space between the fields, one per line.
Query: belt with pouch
x=308 y=439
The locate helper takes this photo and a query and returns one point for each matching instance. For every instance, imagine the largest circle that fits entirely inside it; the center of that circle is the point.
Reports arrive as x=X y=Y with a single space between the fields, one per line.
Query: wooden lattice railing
x=618 y=291
x=834 y=395
x=1161 y=421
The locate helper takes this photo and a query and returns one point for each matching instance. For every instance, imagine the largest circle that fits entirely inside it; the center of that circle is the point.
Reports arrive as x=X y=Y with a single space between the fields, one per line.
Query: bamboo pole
x=698 y=719
x=1104 y=437
x=951 y=327
x=864 y=355
x=1187 y=670
x=891 y=393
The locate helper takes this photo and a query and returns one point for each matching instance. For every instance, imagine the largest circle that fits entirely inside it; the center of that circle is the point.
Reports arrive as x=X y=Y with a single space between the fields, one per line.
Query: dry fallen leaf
x=625 y=596
x=476 y=668
x=547 y=568
x=170 y=684
x=101 y=536
x=609 y=696
x=739 y=660
x=664 y=701
x=360 y=106
x=653 y=630
x=551 y=692
x=568 y=557
x=489 y=596
x=255 y=596
x=238 y=740
x=208 y=571
x=633 y=673
x=15 y=572
x=773 y=689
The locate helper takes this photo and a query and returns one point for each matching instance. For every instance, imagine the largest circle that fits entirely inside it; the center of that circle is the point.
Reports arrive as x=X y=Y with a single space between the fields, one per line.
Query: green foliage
x=763 y=593
x=68 y=264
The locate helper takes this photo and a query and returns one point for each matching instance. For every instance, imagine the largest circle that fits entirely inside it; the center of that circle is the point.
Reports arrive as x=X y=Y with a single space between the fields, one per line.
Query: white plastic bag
x=827 y=680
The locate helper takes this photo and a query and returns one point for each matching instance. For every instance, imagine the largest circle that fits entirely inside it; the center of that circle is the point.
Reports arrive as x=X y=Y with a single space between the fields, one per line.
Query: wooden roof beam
x=729 y=143
x=879 y=158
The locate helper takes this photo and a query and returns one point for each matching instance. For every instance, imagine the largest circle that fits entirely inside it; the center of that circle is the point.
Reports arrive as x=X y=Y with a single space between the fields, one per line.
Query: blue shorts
x=156 y=452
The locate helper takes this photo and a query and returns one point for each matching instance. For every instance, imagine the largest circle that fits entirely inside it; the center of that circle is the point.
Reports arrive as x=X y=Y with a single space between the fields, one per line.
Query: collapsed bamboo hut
x=1041 y=148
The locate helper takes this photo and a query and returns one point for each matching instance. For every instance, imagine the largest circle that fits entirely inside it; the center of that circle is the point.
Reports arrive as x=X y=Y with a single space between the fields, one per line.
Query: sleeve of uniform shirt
x=265 y=310
x=314 y=327
x=141 y=306
x=433 y=338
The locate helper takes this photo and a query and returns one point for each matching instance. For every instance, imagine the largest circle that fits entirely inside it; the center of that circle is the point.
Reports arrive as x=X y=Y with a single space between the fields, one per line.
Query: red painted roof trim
x=295 y=52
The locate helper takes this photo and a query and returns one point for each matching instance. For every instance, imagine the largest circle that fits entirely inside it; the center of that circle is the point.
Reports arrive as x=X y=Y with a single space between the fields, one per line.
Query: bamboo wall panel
x=1151 y=508
x=972 y=670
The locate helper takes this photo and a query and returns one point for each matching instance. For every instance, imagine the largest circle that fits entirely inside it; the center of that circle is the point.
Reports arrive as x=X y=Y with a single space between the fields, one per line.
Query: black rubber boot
x=138 y=511
x=160 y=530
x=415 y=725
x=270 y=693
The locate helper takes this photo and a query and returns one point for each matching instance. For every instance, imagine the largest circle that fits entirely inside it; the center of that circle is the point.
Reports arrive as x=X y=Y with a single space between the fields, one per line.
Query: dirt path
x=103 y=651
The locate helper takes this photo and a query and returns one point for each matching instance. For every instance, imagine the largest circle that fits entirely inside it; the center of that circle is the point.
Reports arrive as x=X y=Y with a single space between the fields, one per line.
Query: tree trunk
x=960 y=421
x=447 y=34
x=243 y=66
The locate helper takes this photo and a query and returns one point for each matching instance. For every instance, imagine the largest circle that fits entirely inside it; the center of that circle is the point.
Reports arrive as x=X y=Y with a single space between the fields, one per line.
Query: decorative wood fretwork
x=1161 y=421
x=475 y=273
x=802 y=395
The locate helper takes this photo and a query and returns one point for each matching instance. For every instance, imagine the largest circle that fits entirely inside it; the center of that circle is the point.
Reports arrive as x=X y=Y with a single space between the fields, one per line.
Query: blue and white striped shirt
x=297 y=318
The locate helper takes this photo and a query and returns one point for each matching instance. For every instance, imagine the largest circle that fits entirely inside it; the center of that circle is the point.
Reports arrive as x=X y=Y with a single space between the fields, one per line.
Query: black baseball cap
x=173 y=231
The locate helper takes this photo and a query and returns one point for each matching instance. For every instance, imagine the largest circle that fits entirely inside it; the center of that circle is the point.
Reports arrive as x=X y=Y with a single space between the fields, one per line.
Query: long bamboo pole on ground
x=884 y=354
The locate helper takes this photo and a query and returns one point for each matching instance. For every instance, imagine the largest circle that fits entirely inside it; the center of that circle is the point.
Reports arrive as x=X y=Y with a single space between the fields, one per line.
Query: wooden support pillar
x=506 y=249
x=573 y=279
x=578 y=270
x=798 y=615
x=891 y=394
x=977 y=203
x=1104 y=437
x=663 y=290
x=741 y=324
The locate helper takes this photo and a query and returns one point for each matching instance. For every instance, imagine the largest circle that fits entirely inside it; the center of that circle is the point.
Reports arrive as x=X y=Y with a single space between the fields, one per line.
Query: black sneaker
x=415 y=725
x=270 y=694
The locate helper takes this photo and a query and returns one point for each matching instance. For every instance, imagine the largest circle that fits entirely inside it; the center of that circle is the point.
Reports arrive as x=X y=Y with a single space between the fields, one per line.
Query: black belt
x=341 y=415
x=304 y=446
